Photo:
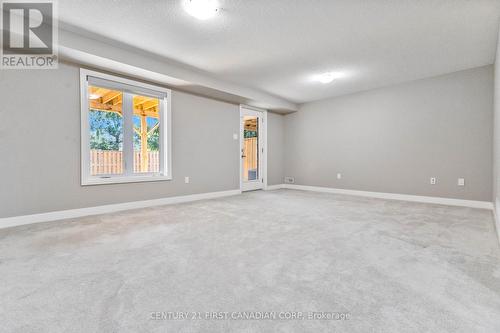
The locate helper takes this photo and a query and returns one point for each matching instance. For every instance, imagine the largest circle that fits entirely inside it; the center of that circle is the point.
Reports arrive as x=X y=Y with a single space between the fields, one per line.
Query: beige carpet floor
x=276 y=261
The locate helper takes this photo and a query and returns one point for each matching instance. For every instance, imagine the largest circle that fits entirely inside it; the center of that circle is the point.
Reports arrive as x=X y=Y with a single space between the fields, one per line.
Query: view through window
x=125 y=132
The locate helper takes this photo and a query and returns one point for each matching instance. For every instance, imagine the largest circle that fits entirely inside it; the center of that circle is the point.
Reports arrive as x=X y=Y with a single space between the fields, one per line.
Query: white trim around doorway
x=263 y=164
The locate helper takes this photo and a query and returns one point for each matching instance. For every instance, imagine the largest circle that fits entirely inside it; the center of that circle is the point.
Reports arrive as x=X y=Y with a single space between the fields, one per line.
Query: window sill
x=124 y=180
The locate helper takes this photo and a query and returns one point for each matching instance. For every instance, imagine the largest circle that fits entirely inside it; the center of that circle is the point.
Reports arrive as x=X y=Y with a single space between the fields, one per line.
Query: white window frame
x=165 y=132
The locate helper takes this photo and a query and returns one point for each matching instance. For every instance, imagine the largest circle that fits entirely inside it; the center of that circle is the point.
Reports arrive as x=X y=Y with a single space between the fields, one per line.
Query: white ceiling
x=277 y=45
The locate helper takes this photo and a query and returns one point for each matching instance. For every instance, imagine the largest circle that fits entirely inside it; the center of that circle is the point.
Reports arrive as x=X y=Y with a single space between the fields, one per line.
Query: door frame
x=263 y=148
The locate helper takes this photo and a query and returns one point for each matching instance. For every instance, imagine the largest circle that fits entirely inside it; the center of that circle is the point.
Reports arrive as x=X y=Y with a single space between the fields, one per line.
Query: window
x=125 y=130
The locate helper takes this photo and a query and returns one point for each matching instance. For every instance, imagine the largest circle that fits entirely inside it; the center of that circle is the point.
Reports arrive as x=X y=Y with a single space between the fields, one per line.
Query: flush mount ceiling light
x=201 y=9
x=326 y=77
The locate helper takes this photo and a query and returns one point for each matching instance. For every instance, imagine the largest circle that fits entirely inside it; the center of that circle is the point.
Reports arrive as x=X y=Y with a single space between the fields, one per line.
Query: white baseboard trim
x=395 y=196
x=273 y=187
x=7 y=222
x=496 y=216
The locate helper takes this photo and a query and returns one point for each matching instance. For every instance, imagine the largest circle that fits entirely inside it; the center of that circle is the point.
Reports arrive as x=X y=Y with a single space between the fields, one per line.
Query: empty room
x=250 y=166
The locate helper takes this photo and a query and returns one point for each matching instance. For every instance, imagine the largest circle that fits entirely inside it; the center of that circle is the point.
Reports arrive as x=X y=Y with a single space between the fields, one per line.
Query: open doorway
x=252 y=148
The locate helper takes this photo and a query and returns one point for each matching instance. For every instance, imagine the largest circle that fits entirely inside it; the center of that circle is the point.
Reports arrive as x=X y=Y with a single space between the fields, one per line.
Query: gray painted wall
x=40 y=146
x=496 y=139
x=276 y=148
x=394 y=139
x=496 y=142
x=389 y=140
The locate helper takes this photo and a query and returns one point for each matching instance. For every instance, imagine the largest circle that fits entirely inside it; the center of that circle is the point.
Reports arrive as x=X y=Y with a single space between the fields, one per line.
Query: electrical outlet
x=461 y=182
x=235 y=136
x=433 y=180
x=339 y=176
x=289 y=180
x=186 y=180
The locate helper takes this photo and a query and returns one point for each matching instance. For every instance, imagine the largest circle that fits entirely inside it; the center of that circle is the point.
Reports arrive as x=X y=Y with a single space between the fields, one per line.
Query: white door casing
x=247 y=180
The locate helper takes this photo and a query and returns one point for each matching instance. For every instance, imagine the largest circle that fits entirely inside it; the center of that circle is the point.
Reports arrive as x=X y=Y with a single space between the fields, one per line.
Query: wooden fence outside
x=104 y=162
x=250 y=162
